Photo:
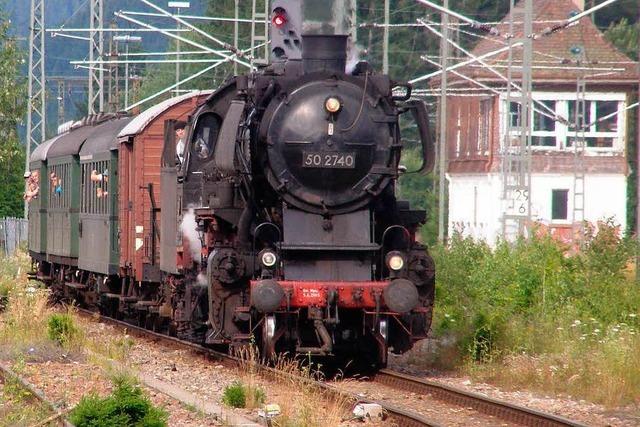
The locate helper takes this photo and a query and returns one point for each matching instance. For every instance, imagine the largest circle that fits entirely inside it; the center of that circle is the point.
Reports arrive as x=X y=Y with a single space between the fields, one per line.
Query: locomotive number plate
x=314 y=159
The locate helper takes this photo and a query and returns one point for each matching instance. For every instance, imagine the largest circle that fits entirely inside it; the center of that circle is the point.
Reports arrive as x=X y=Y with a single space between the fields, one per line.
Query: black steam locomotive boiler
x=294 y=236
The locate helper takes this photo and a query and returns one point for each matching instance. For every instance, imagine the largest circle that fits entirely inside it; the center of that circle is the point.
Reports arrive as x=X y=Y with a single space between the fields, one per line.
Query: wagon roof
x=140 y=122
x=69 y=143
x=104 y=137
x=40 y=153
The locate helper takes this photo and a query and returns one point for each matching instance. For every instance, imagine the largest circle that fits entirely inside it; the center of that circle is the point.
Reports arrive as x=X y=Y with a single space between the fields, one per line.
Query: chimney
x=579 y=3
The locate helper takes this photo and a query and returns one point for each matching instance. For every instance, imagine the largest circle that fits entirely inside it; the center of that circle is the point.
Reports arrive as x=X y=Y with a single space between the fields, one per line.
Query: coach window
x=95 y=184
x=205 y=136
x=559 y=205
x=59 y=175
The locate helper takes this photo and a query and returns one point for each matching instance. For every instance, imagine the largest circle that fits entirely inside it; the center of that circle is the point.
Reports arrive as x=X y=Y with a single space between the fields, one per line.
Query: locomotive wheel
x=268 y=350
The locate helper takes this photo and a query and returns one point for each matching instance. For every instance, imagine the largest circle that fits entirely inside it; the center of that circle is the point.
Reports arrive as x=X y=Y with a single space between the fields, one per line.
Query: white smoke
x=189 y=229
x=354 y=53
x=202 y=279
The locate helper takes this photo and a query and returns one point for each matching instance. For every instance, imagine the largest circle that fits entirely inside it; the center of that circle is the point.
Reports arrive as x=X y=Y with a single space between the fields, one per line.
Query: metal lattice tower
x=36 y=110
x=516 y=155
x=260 y=31
x=96 y=49
x=579 y=145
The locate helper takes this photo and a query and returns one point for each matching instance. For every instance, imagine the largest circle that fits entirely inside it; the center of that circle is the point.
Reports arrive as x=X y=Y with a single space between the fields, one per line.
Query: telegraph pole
x=385 y=40
x=235 y=32
x=37 y=85
x=178 y=5
x=442 y=151
x=127 y=39
x=61 y=90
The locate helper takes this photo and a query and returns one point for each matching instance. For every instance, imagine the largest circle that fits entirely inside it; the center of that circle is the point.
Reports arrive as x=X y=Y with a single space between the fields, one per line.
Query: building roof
x=143 y=119
x=553 y=59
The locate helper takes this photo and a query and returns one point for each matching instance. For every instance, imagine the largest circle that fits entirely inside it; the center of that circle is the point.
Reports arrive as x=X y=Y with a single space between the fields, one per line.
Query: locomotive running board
x=76 y=285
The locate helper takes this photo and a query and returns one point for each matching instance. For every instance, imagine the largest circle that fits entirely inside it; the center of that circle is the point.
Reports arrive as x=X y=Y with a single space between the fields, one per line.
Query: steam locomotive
x=277 y=224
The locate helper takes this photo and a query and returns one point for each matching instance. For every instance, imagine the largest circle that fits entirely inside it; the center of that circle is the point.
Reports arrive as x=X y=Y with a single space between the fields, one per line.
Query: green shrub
x=61 y=328
x=235 y=395
x=126 y=406
x=529 y=304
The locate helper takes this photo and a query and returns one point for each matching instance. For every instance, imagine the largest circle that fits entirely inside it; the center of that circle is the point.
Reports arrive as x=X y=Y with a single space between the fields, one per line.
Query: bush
x=126 y=406
x=61 y=328
x=235 y=395
x=527 y=304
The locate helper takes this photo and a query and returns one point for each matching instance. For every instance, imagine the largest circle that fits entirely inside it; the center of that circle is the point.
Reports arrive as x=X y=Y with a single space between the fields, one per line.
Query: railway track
x=508 y=412
x=399 y=416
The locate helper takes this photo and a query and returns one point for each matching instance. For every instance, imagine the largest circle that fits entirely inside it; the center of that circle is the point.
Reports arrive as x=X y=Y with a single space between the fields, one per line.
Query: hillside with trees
x=407 y=45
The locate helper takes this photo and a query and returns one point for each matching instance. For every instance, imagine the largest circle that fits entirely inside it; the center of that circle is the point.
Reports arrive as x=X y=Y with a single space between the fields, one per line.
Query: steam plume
x=189 y=229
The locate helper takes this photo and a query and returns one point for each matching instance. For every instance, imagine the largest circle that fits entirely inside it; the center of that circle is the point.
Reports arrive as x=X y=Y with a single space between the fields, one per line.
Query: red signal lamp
x=279 y=18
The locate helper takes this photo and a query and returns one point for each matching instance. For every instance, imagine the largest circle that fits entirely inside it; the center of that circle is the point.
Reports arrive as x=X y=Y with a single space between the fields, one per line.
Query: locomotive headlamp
x=279 y=17
x=395 y=261
x=268 y=258
x=332 y=104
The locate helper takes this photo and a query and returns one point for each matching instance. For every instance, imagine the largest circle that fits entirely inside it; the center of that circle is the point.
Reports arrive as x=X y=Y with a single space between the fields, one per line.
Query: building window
x=458 y=136
x=603 y=121
x=484 y=126
x=514 y=113
x=544 y=125
x=559 y=204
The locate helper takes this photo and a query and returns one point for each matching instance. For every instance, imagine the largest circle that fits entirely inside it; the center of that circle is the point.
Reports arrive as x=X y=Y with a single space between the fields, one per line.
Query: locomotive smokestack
x=324 y=53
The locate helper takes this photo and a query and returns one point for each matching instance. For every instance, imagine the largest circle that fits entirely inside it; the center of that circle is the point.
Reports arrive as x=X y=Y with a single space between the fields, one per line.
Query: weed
x=25 y=313
x=301 y=403
x=61 y=328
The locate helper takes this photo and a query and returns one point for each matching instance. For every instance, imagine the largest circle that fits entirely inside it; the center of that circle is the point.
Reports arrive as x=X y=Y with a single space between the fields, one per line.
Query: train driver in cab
x=180 y=143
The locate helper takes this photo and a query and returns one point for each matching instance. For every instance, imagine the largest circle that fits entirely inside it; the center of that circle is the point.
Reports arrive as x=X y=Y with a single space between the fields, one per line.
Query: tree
x=12 y=109
x=624 y=36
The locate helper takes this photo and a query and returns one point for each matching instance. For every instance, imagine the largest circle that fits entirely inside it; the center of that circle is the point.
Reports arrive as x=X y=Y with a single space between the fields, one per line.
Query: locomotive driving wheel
x=269 y=337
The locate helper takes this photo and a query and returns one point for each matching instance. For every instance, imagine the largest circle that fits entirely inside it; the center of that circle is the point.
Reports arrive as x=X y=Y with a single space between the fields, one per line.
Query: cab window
x=205 y=136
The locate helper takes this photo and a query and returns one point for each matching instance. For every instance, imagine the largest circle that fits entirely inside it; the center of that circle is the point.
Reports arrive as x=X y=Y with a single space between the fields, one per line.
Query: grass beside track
x=537 y=315
x=18 y=407
x=541 y=315
x=31 y=330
